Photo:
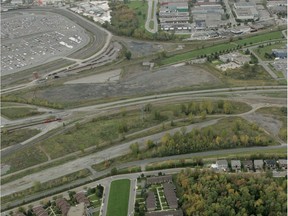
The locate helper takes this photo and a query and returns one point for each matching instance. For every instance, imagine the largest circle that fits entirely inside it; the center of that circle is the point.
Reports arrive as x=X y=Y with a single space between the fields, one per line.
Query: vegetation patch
x=27 y=157
x=231 y=194
x=19 y=112
x=119 y=198
x=260 y=38
x=265 y=51
x=17 y=136
x=279 y=113
x=230 y=132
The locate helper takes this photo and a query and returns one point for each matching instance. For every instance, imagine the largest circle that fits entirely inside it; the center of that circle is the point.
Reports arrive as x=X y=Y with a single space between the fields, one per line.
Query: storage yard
x=30 y=39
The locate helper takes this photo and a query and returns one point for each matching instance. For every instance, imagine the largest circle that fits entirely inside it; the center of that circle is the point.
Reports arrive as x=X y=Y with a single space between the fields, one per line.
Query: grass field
x=195 y=53
x=141 y=9
x=260 y=38
x=119 y=198
x=14 y=137
x=221 y=47
x=27 y=157
x=280 y=114
x=19 y=112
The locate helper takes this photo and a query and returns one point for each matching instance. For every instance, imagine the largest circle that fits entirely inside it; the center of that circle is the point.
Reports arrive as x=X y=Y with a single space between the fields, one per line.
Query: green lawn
x=260 y=38
x=119 y=198
x=21 y=112
x=14 y=137
x=195 y=53
x=141 y=9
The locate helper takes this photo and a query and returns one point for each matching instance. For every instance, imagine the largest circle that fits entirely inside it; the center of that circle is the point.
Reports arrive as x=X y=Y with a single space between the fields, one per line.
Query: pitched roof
x=80 y=197
x=63 y=205
x=170 y=195
x=151 y=201
x=39 y=211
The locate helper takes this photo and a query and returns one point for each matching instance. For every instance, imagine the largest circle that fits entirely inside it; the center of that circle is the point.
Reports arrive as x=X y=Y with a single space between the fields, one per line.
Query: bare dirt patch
x=110 y=76
x=133 y=83
x=270 y=124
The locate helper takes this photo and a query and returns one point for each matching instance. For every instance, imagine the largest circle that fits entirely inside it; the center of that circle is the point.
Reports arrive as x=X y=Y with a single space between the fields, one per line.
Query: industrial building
x=174 y=15
x=245 y=11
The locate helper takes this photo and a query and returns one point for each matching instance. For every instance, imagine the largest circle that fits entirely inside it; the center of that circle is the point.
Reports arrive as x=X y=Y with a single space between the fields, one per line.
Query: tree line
x=209 y=193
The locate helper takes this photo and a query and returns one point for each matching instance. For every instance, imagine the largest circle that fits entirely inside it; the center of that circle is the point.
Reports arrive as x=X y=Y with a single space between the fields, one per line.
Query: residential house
x=247 y=164
x=282 y=163
x=170 y=195
x=39 y=211
x=159 y=179
x=235 y=165
x=166 y=213
x=63 y=205
x=270 y=164
x=222 y=164
x=151 y=201
x=81 y=198
x=258 y=164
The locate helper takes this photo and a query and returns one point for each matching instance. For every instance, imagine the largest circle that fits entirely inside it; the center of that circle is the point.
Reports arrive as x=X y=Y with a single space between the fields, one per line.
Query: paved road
x=132 y=197
x=149 y=16
x=150 y=99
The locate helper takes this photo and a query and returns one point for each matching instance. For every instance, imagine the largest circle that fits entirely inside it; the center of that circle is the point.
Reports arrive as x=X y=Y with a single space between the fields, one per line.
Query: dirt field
x=271 y=125
x=133 y=83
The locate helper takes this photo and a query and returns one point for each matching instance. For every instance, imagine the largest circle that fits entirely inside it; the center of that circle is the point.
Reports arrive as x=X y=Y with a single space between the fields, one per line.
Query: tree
x=134 y=148
x=114 y=171
x=128 y=54
x=227 y=106
x=203 y=115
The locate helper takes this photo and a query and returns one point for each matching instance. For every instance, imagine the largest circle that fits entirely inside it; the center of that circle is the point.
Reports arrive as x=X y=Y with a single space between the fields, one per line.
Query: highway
x=109 y=153
x=66 y=114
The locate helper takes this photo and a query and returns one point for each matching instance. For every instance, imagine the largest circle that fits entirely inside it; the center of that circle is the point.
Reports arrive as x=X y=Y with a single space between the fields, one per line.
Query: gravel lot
x=133 y=83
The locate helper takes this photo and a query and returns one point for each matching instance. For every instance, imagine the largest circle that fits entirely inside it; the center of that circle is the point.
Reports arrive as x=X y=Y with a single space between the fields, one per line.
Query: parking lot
x=32 y=38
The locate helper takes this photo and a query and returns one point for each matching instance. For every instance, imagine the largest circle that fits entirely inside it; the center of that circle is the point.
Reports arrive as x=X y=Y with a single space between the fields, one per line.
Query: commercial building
x=280 y=53
x=174 y=16
x=245 y=11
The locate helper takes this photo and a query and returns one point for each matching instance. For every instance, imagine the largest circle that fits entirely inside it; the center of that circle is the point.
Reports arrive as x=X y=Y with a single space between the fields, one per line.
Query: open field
x=275 y=114
x=196 y=53
x=220 y=47
x=260 y=38
x=25 y=158
x=19 y=112
x=140 y=8
x=118 y=198
x=132 y=82
x=18 y=136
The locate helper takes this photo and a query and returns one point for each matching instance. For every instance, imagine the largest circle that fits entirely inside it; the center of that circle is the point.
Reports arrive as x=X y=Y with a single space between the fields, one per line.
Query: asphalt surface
x=149 y=16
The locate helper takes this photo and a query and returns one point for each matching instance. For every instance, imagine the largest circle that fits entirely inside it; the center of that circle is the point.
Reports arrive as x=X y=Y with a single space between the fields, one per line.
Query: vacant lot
x=12 y=138
x=21 y=112
x=132 y=83
x=118 y=198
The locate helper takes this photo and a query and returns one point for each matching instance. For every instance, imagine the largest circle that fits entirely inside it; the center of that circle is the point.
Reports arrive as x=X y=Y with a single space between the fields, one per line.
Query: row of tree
x=238 y=134
x=209 y=193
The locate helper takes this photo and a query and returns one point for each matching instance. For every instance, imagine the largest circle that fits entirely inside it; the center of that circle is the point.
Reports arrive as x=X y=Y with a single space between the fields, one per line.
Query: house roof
x=247 y=163
x=235 y=163
x=222 y=163
x=63 y=205
x=170 y=194
x=81 y=198
x=159 y=179
x=166 y=213
x=151 y=201
x=270 y=162
x=282 y=161
x=258 y=162
x=39 y=211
